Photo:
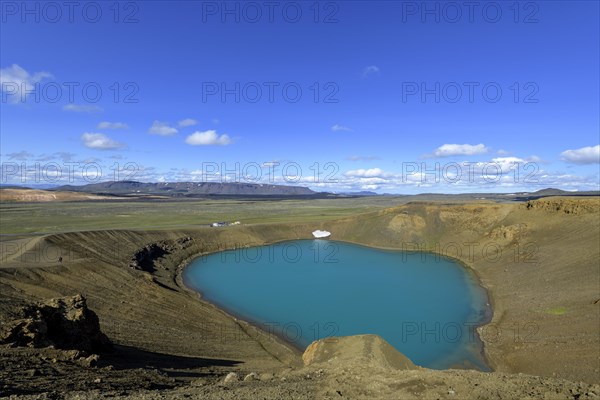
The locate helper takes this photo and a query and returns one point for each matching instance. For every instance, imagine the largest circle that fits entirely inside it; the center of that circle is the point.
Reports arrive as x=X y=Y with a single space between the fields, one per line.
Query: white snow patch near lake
x=321 y=234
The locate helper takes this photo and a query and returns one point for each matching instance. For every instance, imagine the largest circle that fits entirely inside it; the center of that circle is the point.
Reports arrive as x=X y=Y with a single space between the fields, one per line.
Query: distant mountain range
x=188 y=189
x=216 y=189
x=361 y=193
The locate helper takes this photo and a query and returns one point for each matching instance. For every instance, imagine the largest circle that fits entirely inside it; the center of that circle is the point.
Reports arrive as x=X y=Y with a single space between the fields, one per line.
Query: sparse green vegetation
x=557 y=311
x=54 y=217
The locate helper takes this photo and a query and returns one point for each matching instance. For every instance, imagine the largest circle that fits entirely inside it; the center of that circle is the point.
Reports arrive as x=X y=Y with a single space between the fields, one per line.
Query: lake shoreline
x=489 y=315
x=472 y=274
x=181 y=283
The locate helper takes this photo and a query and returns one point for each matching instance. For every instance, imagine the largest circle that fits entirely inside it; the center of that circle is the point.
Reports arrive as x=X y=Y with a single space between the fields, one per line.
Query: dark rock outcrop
x=146 y=258
x=64 y=323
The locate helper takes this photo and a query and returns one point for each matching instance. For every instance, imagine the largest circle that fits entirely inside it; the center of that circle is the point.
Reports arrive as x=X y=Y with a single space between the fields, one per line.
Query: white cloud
x=187 y=122
x=512 y=160
x=449 y=150
x=340 y=128
x=112 y=125
x=82 y=108
x=365 y=173
x=506 y=163
x=16 y=82
x=162 y=129
x=99 y=141
x=501 y=174
x=498 y=174
x=369 y=187
x=207 y=138
x=502 y=152
x=371 y=69
x=584 y=155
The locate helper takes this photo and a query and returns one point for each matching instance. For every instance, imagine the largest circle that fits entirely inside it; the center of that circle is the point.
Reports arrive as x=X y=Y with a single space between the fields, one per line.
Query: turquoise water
x=425 y=305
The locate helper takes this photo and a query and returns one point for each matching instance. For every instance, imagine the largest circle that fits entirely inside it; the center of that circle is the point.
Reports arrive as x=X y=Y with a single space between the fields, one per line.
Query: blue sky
x=370 y=94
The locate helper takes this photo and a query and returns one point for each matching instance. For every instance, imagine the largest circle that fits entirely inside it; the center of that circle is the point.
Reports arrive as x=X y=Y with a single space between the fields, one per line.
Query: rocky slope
x=63 y=323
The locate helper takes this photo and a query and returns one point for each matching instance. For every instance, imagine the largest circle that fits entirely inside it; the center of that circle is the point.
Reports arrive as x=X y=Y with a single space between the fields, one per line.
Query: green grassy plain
x=56 y=217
